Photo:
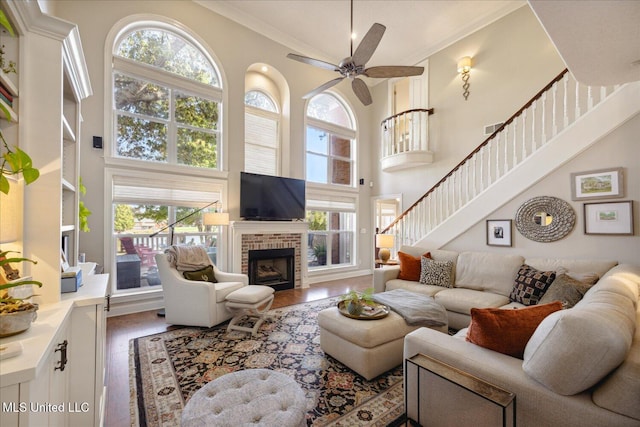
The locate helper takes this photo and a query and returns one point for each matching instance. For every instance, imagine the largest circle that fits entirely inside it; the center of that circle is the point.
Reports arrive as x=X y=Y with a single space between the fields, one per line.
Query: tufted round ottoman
x=256 y=397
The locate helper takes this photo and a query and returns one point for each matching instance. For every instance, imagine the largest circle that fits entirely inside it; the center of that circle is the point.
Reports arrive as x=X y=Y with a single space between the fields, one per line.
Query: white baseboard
x=129 y=305
x=318 y=278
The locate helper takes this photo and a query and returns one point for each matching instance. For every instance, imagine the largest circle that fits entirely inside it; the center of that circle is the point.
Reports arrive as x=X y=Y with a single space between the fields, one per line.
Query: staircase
x=557 y=124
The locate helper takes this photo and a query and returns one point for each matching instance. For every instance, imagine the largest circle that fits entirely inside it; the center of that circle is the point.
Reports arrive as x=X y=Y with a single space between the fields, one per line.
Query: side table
x=434 y=390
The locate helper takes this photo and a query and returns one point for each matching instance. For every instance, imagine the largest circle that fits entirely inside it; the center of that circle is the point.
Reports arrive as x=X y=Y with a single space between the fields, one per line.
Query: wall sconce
x=464 y=66
x=384 y=242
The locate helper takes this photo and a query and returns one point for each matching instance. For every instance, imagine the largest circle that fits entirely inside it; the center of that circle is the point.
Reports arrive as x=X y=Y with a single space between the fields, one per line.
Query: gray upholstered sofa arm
x=382 y=275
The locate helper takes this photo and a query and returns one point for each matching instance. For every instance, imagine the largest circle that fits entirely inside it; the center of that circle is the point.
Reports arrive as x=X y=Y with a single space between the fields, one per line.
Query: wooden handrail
x=415 y=110
x=474 y=152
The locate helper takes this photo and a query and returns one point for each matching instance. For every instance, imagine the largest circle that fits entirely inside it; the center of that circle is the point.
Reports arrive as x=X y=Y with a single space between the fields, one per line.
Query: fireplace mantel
x=270 y=234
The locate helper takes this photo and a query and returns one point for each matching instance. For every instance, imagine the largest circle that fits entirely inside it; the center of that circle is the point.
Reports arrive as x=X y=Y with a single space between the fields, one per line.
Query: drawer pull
x=62 y=348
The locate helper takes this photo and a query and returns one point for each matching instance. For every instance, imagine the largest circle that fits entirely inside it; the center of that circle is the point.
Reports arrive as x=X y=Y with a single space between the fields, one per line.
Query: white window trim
x=145 y=20
x=195 y=183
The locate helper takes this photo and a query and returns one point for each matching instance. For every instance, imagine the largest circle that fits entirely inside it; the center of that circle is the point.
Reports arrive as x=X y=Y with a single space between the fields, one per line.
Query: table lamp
x=384 y=242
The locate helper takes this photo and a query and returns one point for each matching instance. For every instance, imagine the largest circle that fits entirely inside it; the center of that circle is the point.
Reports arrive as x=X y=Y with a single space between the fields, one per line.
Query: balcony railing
x=405 y=139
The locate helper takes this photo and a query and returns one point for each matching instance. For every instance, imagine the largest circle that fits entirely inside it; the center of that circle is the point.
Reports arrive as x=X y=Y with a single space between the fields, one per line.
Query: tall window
x=262 y=140
x=167 y=100
x=166 y=115
x=330 y=170
x=330 y=142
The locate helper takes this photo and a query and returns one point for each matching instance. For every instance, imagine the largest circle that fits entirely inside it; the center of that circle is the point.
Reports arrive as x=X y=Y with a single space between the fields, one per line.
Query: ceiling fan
x=354 y=65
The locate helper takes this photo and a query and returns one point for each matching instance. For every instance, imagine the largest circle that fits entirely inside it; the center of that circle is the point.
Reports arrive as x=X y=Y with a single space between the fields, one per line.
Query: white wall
x=621 y=148
x=236 y=48
x=512 y=60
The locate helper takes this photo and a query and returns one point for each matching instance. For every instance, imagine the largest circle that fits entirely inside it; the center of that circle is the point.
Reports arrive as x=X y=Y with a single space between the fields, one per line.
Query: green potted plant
x=355 y=301
x=83 y=211
x=320 y=251
x=14 y=161
x=16 y=314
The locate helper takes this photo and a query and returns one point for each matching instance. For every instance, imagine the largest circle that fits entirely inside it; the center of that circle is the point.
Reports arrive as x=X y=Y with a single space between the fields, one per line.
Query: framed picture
x=499 y=232
x=609 y=218
x=597 y=184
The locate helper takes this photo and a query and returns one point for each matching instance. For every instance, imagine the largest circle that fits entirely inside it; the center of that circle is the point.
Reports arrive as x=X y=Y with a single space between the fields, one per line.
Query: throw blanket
x=416 y=309
x=187 y=258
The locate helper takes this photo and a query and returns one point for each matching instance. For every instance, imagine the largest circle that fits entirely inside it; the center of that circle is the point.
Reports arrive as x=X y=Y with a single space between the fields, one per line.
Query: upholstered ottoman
x=257 y=397
x=252 y=301
x=369 y=347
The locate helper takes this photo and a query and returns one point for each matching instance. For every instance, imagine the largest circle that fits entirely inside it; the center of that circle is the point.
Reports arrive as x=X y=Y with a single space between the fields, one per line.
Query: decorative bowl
x=17 y=322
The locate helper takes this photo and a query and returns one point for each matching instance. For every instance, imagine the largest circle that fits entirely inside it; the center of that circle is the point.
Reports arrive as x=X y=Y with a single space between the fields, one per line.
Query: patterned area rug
x=166 y=369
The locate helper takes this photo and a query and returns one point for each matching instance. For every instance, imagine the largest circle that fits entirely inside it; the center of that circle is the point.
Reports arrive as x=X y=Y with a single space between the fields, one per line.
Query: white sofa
x=480 y=279
x=581 y=367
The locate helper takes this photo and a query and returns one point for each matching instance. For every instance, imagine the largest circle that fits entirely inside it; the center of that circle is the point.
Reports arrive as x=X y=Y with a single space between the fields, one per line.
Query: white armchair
x=195 y=303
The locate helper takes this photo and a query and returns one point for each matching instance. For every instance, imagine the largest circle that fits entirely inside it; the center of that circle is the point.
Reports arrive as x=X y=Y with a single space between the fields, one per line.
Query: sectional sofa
x=581 y=366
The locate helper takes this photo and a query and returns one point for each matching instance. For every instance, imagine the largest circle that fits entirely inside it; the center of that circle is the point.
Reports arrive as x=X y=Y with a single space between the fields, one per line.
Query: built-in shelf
x=8 y=84
x=12 y=113
x=67 y=131
x=67 y=186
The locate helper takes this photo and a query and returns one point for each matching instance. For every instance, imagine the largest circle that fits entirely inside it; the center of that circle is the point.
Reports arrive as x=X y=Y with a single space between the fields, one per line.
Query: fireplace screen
x=272 y=267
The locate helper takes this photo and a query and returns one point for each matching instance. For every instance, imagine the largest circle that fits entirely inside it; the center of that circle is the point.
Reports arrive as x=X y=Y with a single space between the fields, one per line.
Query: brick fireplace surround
x=251 y=235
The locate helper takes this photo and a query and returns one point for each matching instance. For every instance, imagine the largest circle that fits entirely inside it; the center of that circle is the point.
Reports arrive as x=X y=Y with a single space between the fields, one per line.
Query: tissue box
x=71 y=279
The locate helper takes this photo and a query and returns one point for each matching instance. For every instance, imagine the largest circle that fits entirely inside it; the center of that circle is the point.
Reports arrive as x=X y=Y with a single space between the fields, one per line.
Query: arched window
x=167 y=110
x=167 y=99
x=261 y=133
x=330 y=171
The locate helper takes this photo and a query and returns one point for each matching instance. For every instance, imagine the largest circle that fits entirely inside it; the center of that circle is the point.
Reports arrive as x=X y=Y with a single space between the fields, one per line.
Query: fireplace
x=272 y=267
x=248 y=236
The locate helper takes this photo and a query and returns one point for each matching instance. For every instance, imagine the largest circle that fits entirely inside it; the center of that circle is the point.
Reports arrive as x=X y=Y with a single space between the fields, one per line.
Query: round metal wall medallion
x=545 y=219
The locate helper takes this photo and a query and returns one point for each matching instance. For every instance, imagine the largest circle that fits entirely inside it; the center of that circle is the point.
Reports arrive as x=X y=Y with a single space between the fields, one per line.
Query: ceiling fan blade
x=362 y=91
x=368 y=44
x=314 y=62
x=389 y=71
x=323 y=87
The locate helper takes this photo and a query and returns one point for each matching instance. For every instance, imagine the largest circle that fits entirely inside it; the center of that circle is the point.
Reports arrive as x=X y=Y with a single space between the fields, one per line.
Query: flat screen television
x=271 y=198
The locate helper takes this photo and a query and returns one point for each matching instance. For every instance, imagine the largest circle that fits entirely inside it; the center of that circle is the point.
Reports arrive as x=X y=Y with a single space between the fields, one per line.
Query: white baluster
x=475 y=169
x=589 y=98
x=467 y=198
x=515 y=137
x=506 y=152
x=543 y=116
x=566 y=101
x=533 y=126
x=577 y=101
x=482 y=169
x=524 y=134
x=554 y=112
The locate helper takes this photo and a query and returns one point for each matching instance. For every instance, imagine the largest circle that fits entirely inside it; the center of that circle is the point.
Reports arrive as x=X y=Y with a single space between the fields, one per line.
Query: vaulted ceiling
x=599 y=40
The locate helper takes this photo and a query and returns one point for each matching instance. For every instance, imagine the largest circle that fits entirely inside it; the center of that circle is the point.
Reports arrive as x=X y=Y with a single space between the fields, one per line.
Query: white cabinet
x=34 y=389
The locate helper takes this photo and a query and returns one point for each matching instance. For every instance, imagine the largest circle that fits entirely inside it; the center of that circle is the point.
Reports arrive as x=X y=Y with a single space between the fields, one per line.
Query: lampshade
x=384 y=240
x=216 y=218
x=464 y=64
x=10 y=208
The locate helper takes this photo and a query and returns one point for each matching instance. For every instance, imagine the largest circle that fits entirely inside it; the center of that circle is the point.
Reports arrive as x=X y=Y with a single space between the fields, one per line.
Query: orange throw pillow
x=507 y=330
x=410 y=266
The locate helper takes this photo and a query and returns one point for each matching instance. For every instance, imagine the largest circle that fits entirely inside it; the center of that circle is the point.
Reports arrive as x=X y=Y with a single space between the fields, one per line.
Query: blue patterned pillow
x=436 y=272
x=531 y=284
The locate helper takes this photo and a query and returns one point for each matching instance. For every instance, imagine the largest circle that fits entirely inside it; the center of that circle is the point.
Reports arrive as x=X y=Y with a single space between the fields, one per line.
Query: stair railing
x=406 y=131
x=558 y=105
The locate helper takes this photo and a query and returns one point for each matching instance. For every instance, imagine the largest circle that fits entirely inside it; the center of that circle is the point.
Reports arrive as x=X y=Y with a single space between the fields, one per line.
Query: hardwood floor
x=121 y=329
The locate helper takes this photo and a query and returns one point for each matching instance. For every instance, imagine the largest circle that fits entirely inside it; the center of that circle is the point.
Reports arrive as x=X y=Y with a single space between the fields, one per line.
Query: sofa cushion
x=436 y=272
x=462 y=300
x=620 y=390
x=531 y=284
x=571 y=350
x=436 y=254
x=567 y=290
x=203 y=275
x=507 y=331
x=410 y=266
x=486 y=271
x=600 y=267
